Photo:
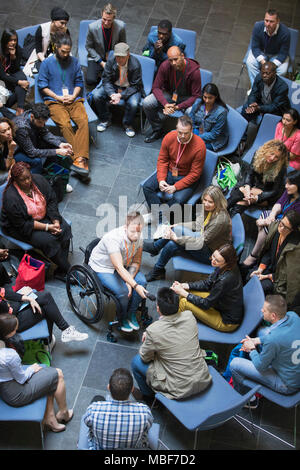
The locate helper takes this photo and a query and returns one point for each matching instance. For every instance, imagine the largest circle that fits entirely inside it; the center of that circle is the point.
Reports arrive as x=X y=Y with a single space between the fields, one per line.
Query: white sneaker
x=147 y=218
x=71 y=334
x=130 y=132
x=103 y=126
x=69 y=188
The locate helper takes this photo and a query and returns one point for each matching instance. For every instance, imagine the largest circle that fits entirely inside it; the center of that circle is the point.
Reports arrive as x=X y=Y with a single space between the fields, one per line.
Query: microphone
x=150 y=296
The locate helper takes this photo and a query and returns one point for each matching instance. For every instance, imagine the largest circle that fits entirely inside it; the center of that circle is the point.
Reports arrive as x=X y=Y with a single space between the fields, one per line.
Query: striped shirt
x=117 y=424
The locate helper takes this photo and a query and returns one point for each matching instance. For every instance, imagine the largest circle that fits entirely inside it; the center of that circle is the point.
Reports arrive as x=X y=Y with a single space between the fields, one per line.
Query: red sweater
x=190 y=164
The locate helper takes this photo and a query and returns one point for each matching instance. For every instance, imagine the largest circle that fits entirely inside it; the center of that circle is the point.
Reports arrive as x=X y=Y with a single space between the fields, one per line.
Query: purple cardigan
x=285 y=199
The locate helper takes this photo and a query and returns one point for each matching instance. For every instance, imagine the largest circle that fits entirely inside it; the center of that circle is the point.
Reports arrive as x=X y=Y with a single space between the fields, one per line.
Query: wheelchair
x=88 y=296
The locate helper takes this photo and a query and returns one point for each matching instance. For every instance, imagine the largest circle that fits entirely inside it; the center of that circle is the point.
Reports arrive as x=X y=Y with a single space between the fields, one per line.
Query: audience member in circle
x=30 y=213
x=21 y=386
x=290 y=200
x=198 y=239
x=288 y=132
x=209 y=116
x=218 y=300
x=8 y=146
x=10 y=70
x=263 y=181
x=279 y=267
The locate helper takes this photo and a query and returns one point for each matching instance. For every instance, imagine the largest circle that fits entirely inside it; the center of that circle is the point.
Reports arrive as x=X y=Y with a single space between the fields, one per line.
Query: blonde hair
x=270 y=171
x=217 y=196
x=109 y=9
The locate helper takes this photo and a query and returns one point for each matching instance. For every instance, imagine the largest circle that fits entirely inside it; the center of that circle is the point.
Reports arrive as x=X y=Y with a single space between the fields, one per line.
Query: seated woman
x=218 y=300
x=200 y=243
x=288 y=132
x=7 y=147
x=30 y=213
x=279 y=267
x=30 y=311
x=44 y=45
x=290 y=200
x=209 y=116
x=10 y=70
x=20 y=386
x=116 y=260
x=263 y=181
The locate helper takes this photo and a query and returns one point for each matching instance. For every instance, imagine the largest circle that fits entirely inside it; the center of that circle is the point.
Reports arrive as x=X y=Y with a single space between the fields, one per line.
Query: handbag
x=31 y=272
x=58 y=177
x=227 y=174
x=35 y=352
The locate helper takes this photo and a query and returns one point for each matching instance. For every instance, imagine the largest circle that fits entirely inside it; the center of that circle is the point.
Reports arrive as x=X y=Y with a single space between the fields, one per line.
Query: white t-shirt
x=112 y=242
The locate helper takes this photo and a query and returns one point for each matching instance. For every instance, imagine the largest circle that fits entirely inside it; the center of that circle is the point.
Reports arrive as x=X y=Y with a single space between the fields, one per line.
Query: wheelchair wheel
x=84 y=294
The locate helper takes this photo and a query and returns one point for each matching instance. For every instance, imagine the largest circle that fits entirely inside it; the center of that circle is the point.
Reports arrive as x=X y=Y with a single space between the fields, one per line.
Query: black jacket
x=15 y=66
x=279 y=96
x=111 y=75
x=225 y=294
x=35 y=141
x=271 y=190
x=15 y=220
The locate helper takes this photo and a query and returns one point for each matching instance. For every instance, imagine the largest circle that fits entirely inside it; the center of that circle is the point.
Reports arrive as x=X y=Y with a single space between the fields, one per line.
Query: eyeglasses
x=285 y=226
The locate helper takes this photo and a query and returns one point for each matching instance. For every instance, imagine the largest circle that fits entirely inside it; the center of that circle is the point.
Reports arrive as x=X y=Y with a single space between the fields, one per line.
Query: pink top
x=36 y=205
x=292 y=144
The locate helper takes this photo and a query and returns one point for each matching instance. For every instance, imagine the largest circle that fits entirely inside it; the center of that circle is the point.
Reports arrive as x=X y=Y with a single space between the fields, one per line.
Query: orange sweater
x=190 y=165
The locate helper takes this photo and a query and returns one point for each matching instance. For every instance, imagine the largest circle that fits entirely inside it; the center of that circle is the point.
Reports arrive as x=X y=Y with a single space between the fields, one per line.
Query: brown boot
x=80 y=165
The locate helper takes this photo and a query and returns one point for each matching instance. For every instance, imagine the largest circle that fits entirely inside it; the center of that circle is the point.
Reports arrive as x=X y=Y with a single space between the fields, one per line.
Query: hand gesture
x=169 y=108
x=163 y=186
x=141 y=291
x=3 y=254
x=36 y=308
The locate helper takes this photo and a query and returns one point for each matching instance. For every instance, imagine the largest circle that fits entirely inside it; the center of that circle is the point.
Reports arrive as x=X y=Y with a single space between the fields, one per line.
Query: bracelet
x=47 y=226
x=136 y=284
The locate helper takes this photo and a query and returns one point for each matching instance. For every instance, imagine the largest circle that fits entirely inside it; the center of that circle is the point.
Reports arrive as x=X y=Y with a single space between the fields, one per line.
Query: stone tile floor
x=118 y=164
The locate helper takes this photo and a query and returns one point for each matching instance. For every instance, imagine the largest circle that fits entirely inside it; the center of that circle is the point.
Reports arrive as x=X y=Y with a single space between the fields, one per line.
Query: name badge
x=175 y=172
x=175 y=97
x=65 y=91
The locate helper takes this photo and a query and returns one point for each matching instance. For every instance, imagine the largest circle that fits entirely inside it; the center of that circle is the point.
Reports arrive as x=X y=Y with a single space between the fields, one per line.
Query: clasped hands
x=252 y=108
x=170 y=108
x=249 y=344
x=54 y=228
x=249 y=197
x=164 y=187
x=180 y=288
x=115 y=98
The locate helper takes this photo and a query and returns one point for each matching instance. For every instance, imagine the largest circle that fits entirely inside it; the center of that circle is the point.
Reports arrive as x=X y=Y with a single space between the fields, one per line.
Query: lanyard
x=105 y=38
x=62 y=72
x=128 y=260
x=6 y=67
x=179 y=153
x=181 y=78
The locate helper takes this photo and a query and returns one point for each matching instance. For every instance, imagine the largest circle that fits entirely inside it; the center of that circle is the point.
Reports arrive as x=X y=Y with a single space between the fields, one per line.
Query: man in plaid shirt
x=117 y=423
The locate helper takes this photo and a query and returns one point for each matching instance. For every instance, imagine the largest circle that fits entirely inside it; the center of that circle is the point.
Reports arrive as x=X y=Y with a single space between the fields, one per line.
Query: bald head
x=176 y=58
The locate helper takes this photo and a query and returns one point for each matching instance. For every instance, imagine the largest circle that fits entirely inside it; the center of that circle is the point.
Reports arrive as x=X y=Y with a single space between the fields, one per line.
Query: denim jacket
x=214 y=124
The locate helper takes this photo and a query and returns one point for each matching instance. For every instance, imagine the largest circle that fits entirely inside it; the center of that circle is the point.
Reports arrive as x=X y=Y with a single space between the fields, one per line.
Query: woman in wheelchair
x=116 y=260
x=30 y=213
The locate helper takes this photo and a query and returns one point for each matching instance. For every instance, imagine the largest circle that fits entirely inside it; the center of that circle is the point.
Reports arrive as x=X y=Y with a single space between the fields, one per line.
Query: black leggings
x=18 y=93
x=50 y=312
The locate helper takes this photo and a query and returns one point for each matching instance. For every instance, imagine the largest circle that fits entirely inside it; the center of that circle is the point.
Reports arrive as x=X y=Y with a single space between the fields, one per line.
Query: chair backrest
x=206 y=176
x=294 y=93
x=265 y=132
x=236 y=129
x=82 y=52
x=254 y=298
x=238 y=233
x=188 y=37
x=206 y=77
x=22 y=33
x=148 y=69
x=2 y=187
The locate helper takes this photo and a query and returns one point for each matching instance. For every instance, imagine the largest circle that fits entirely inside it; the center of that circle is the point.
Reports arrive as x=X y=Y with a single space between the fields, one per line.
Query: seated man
x=273 y=355
x=179 y=167
x=176 y=87
x=170 y=360
x=160 y=40
x=270 y=42
x=116 y=259
x=121 y=80
x=102 y=36
x=269 y=94
x=61 y=84
x=116 y=423
x=35 y=141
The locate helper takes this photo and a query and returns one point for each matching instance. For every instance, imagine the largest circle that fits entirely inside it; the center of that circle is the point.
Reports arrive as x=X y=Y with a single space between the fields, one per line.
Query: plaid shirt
x=117 y=424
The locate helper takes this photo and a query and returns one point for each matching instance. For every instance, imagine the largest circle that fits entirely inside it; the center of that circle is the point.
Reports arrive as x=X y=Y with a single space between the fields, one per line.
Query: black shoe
x=156 y=274
x=149 y=247
x=252 y=404
x=154 y=136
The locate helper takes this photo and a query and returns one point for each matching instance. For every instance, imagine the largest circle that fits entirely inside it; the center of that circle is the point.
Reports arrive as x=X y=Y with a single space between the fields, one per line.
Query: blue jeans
x=139 y=369
x=242 y=368
x=170 y=249
x=100 y=104
x=36 y=164
x=115 y=283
